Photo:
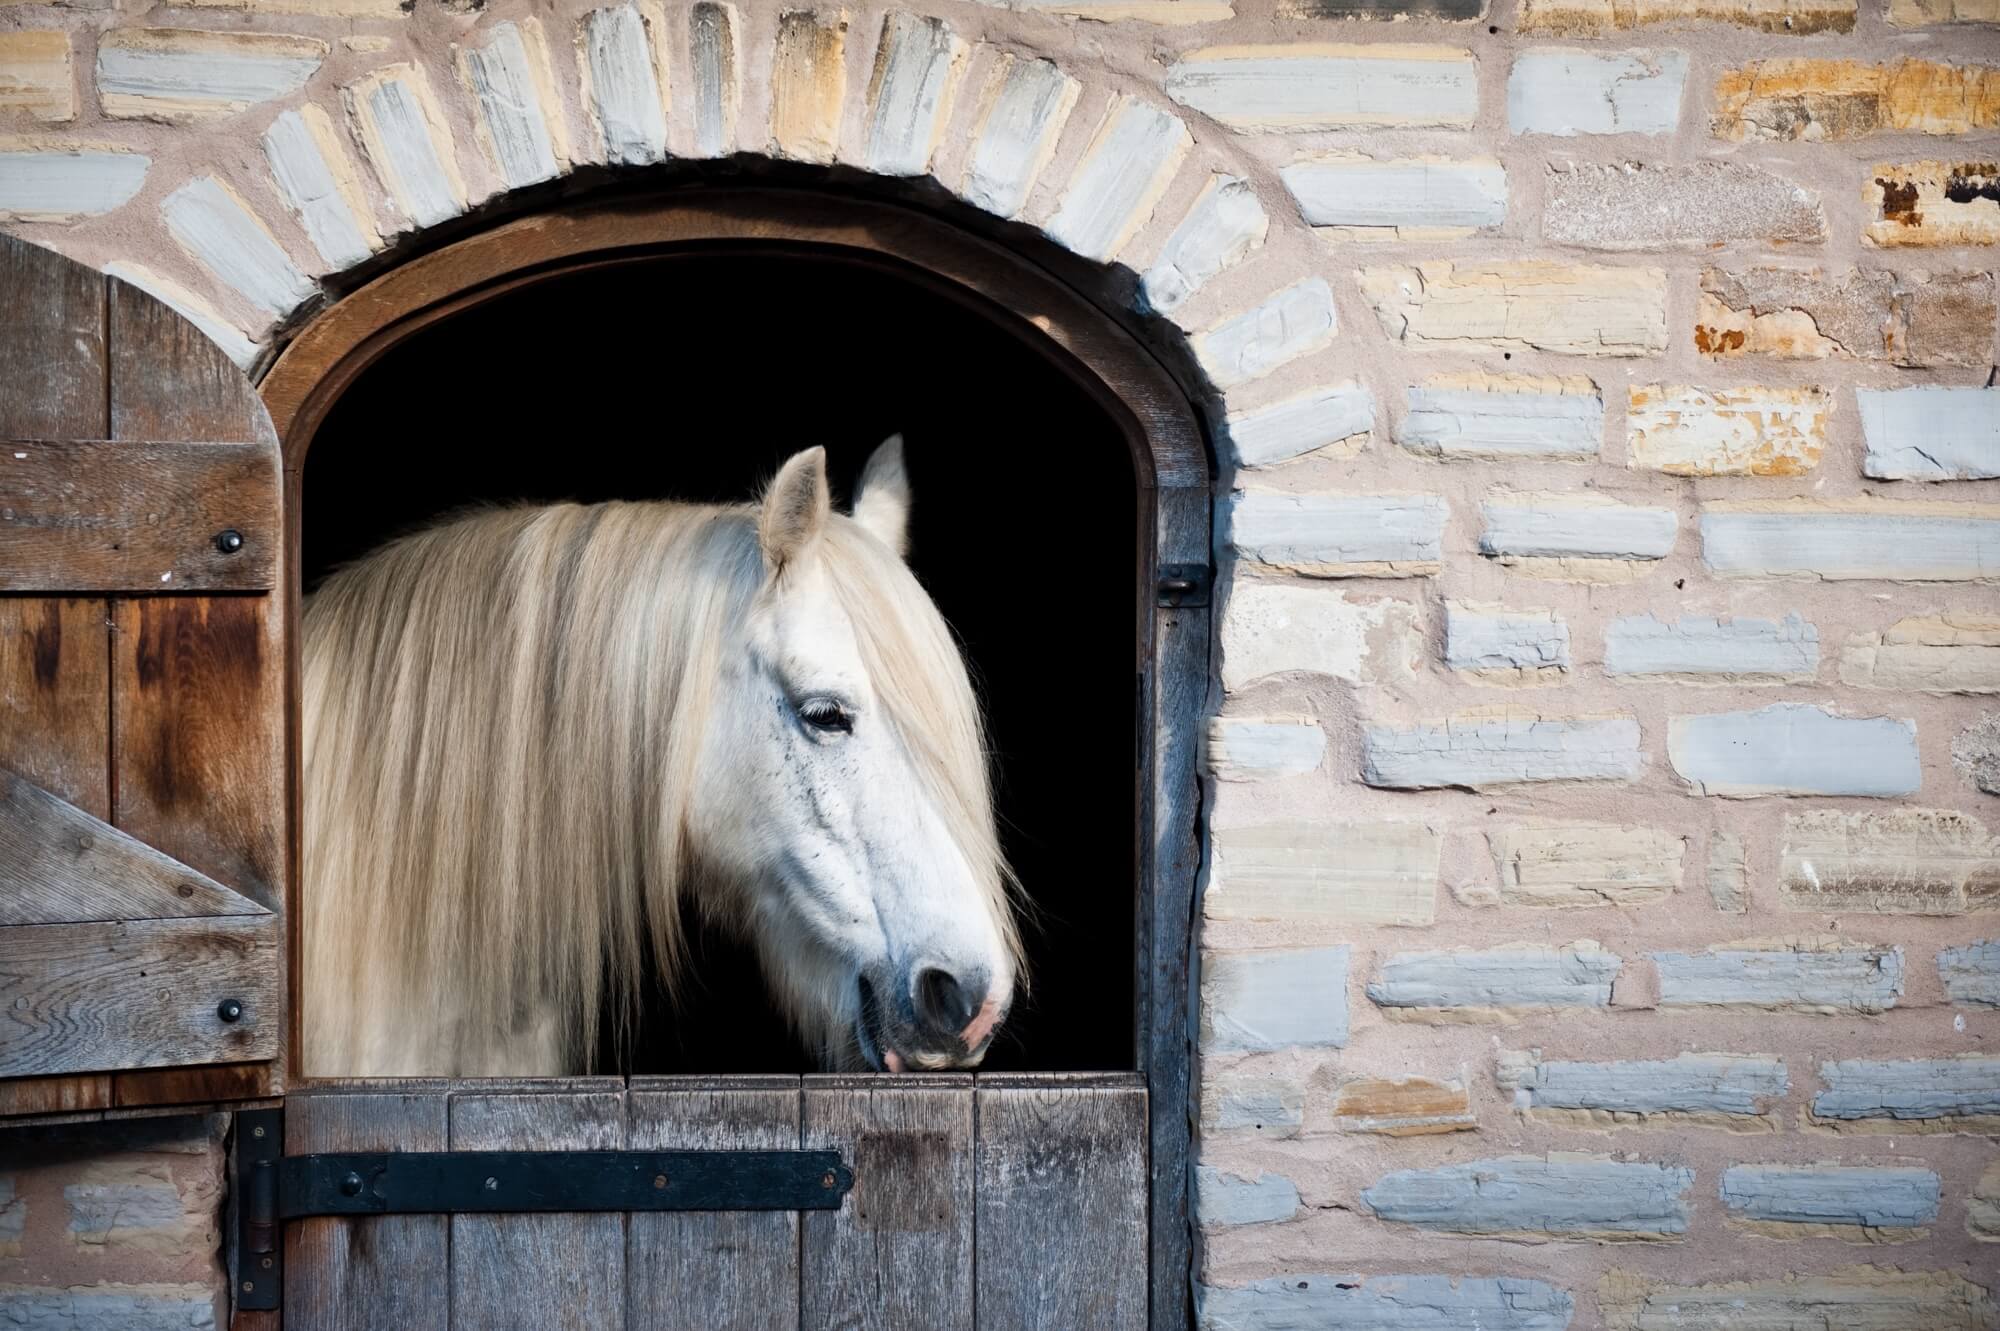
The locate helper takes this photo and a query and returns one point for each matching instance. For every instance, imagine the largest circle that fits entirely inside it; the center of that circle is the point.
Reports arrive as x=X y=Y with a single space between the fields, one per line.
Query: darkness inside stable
x=692 y=377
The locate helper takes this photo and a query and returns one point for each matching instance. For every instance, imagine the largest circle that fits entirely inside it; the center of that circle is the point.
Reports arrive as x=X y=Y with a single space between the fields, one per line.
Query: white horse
x=529 y=731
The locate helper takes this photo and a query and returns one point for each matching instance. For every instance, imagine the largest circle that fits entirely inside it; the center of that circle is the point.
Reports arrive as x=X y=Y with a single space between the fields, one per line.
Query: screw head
x=267 y=1263
x=351 y=1185
x=249 y=1285
x=493 y=1185
x=659 y=1180
x=229 y=540
x=230 y=1010
x=256 y=1132
x=827 y=1180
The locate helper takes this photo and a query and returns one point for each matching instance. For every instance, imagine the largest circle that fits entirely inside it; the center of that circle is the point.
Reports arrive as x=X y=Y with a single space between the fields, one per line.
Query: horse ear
x=795 y=509
x=882 y=502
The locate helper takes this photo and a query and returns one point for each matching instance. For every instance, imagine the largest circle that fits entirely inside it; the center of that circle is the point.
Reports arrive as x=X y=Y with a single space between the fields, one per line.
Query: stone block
x=408 y=141
x=1025 y=105
x=1795 y=749
x=1384 y=1303
x=1982 y=1207
x=1405 y=1107
x=1573 y=309
x=1297 y=871
x=191 y=307
x=13 y=1217
x=1285 y=326
x=1932 y=203
x=1816 y=1199
x=1723 y=1090
x=1423 y=198
x=215 y=226
x=1690 y=205
x=1495 y=985
x=1116 y=186
x=1334 y=417
x=1971 y=974
x=917 y=64
x=624 y=76
x=378 y=9
x=1254 y=1001
x=110 y=1307
x=1447 y=10
x=1824 y=977
x=808 y=85
x=1975 y=753
x=36 y=74
x=1904 y=862
x=1573 y=525
x=1127 y=11
x=1497 y=645
x=1952 y=1094
x=1930 y=433
x=1271 y=628
x=1337 y=536
x=1916 y=320
x=1604 y=18
x=1712 y=651
x=1225 y=224
x=1563 y=1196
x=1586 y=864
x=1728 y=873
x=713 y=66
x=1308 y=86
x=53 y=180
x=1830 y=100
x=1237 y=1100
x=1750 y=431
x=1484 y=748
x=520 y=121
x=1499 y=417
x=321 y=184
x=1230 y=1199
x=1840 y=539
x=1567 y=92
x=1918 y=13
x=1257 y=749
x=1862 y=1298
x=180 y=75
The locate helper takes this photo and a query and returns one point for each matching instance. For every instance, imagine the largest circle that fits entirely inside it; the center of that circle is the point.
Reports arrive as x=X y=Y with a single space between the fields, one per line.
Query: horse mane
x=501 y=719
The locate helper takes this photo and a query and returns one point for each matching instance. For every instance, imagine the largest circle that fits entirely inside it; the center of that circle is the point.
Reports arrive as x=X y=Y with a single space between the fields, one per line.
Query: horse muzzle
x=936 y=1018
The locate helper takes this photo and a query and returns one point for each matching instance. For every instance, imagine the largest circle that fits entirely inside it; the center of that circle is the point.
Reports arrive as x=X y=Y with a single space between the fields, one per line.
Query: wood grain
x=533 y=1272
x=1061 y=1182
x=55 y=696
x=59 y=865
x=52 y=356
x=374 y=1272
x=138 y=994
x=207 y=1083
x=64 y=1095
x=169 y=382
x=898 y=1255
x=199 y=767
x=712 y=1271
x=91 y=515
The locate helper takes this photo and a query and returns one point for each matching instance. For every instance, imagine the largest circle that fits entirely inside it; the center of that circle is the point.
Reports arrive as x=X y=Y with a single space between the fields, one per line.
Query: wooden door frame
x=1008 y=286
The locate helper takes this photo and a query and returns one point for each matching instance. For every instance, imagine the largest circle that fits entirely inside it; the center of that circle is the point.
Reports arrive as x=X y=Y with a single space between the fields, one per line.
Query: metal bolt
x=249 y=1285
x=229 y=540
x=266 y=1263
x=826 y=1180
x=229 y=1009
x=351 y=1185
x=256 y=1132
x=659 y=1180
x=493 y=1185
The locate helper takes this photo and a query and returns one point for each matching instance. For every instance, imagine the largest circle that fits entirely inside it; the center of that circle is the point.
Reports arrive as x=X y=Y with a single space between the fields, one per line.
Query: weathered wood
x=52 y=357
x=138 y=993
x=59 y=865
x=713 y=1271
x=209 y=1083
x=94 y=515
x=55 y=696
x=1061 y=1183
x=170 y=382
x=199 y=766
x=537 y=1271
x=373 y=1272
x=65 y=1095
x=898 y=1255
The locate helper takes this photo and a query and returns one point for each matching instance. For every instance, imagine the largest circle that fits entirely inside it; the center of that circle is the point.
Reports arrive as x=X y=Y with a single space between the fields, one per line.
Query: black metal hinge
x=272 y=1187
x=1184 y=585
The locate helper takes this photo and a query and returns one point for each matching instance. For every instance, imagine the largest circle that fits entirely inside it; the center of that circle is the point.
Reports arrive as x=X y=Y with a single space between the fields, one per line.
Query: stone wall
x=1599 y=927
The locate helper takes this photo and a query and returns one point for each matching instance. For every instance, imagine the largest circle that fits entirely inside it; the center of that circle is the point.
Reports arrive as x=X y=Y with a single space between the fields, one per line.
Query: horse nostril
x=943 y=1003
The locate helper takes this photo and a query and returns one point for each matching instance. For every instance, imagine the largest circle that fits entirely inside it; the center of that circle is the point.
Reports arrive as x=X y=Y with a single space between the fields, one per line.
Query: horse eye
x=826 y=714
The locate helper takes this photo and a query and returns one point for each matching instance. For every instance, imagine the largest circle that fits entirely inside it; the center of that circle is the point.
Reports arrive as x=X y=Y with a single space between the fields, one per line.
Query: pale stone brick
x=1127 y=168
x=1600 y=18
x=320 y=183
x=1287 y=325
x=1573 y=525
x=1385 y=1303
x=1247 y=749
x=1932 y=203
x=1363 y=873
x=712 y=60
x=1930 y=433
x=180 y=75
x=1409 y=199
x=1225 y=224
x=191 y=307
x=1497 y=417
x=1728 y=873
x=1915 y=320
x=109 y=1307
x=1230 y=1199
x=36 y=75
x=917 y=64
x=808 y=85
x=1273 y=1000
x=13 y=1217
x=1026 y=104
x=1306 y=86
x=1971 y=974
x=1381 y=9
x=520 y=123
x=1271 y=628
x=1712 y=651
x=1750 y=431
x=1906 y=862
x=1240 y=1100
x=1954 y=1094
x=1815 y=1199
x=1849 y=99
x=1126 y=11
x=1914 y=13
x=131 y=1202
x=218 y=229
x=1496 y=645
x=1575 y=309
x=408 y=142
x=624 y=78
x=1335 y=418
x=1691 y=205
x=309 y=8
x=1951 y=653
x=1497 y=985
x=1565 y=1195
x=1795 y=749
x=1586 y=864
x=1822 y=976
x=54 y=180
x=1862 y=1298
x=1406 y=1107
x=1501 y=746
x=1854 y=538
x=1714 y=1090
x=1982 y=1207
x=1337 y=536
x=1975 y=753
x=1566 y=92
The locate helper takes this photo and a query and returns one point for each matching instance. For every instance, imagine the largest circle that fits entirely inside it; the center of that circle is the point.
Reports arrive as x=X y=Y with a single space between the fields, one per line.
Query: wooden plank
x=198 y=732
x=898 y=1255
x=169 y=381
x=65 y=1095
x=208 y=1083
x=59 y=865
x=55 y=696
x=52 y=355
x=94 y=515
x=536 y=1271
x=1061 y=1183
x=712 y=1271
x=138 y=994
x=373 y=1272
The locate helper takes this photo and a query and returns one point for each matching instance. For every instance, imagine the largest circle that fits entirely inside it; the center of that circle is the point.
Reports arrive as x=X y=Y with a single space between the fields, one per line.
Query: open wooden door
x=142 y=650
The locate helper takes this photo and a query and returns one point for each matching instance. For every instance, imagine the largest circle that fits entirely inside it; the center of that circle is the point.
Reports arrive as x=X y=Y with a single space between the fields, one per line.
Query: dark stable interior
x=692 y=377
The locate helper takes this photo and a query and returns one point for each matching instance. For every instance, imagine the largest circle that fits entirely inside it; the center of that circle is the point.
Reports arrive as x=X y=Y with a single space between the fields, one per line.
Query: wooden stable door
x=142 y=649
x=1003 y=1203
